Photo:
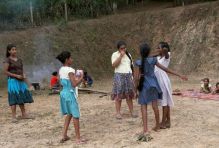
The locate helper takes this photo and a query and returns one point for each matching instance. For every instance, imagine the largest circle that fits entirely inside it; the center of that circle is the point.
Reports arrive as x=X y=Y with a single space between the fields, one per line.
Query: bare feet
x=134 y=115
x=119 y=116
x=64 y=139
x=156 y=128
x=14 y=120
x=81 y=141
x=167 y=124
x=162 y=126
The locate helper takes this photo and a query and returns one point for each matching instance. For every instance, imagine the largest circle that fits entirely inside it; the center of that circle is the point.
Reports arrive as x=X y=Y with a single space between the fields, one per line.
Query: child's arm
x=136 y=77
x=170 y=71
x=155 y=53
x=118 y=60
x=75 y=81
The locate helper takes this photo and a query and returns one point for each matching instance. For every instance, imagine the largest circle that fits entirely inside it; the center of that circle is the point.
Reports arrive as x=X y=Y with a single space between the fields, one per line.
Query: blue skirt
x=18 y=94
x=151 y=91
x=68 y=100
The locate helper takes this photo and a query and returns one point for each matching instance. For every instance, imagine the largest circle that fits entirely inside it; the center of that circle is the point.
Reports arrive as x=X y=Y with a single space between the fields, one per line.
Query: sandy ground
x=195 y=123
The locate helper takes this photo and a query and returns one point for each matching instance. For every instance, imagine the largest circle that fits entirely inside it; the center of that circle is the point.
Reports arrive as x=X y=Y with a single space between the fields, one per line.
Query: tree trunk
x=66 y=11
x=31 y=12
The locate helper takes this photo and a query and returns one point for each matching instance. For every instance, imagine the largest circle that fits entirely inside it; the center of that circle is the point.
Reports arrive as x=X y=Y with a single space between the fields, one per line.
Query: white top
x=203 y=85
x=163 y=61
x=64 y=71
x=124 y=66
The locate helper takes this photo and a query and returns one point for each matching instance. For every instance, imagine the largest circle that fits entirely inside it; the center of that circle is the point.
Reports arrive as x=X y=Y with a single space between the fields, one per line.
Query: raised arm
x=155 y=53
x=170 y=71
x=118 y=60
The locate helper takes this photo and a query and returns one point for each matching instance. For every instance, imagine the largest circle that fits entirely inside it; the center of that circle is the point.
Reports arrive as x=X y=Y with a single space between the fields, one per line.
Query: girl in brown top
x=18 y=93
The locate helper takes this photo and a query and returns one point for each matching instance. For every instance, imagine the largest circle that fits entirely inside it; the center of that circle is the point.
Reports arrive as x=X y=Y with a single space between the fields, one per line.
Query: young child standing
x=165 y=85
x=18 y=93
x=148 y=87
x=68 y=99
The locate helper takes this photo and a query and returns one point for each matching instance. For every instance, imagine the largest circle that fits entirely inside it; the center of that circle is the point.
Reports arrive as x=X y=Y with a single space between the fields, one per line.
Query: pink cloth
x=197 y=94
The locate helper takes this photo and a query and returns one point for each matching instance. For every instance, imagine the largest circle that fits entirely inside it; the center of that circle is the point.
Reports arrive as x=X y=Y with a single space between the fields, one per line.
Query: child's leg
x=23 y=111
x=144 y=118
x=130 y=105
x=118 y=104
x=156 y=113
x=164 y=118
x=66 y=125
x=77 y=127
x=77 y=131
x=168 y=123
x=13 y=109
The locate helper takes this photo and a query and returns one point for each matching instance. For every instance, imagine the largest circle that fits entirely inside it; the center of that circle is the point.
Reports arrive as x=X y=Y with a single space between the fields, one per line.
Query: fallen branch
x=86 y=90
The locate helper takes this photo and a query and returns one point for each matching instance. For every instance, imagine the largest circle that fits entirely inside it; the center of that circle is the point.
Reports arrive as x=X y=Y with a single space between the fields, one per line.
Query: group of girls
x=150 y=84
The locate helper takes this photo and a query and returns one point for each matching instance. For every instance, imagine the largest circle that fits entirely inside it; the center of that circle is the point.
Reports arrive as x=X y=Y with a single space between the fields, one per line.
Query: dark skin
x=13 y=56
x=118 y=103
x=206 y=89
x=165 y=123
x=74 y=81
x=154 y=103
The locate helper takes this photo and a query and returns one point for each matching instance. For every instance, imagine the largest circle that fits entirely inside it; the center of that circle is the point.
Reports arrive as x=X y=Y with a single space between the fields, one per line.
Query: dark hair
x=9 y=47
x=55 y=73
x=217 y=84
x=63 y=56
x=165 y=45
x=120 y=43
x=206 y=79
x=144 y=51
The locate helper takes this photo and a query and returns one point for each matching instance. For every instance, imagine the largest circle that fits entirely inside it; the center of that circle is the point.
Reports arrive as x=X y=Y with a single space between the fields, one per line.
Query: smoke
x=44 y=62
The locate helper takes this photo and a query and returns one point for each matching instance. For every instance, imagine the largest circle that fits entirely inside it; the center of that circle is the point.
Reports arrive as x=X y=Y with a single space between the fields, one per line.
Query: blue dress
x=18 y=93
x=68 y=98
x=151 y=89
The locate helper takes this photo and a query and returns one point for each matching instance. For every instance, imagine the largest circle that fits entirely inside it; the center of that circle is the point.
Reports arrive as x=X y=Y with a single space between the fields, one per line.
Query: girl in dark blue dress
x=149 y=89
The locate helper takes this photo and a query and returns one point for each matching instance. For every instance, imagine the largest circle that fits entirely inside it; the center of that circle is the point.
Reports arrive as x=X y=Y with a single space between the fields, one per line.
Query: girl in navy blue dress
x=148 y=87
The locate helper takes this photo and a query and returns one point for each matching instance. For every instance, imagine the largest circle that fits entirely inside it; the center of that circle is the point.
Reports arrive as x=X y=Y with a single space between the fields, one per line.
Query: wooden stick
x=93 y=91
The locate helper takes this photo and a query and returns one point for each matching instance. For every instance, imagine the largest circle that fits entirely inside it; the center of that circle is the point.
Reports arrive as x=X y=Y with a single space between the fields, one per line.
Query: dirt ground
x=194 y=122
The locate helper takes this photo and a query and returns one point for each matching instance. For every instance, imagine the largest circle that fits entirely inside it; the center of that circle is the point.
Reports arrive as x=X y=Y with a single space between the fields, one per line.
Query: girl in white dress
x=165 y=85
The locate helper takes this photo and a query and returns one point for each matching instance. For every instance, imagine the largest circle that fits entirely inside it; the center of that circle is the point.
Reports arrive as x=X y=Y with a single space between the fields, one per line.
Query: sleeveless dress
x=151 y=90
x=68 y=97
x=18 y=93
x=164 y=82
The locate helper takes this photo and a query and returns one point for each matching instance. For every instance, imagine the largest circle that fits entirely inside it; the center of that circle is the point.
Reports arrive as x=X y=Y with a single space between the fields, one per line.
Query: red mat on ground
x=196 y=94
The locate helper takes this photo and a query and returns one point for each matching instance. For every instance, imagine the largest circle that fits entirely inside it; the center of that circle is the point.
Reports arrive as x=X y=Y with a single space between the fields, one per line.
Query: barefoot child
x=18 y=93
x=68 y=99
x=149 y=89
x=165 y=85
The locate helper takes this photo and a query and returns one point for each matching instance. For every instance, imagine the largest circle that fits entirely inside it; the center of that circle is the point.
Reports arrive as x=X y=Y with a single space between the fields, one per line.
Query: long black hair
x=63 y=56
x=144 y=51
x=8 y=48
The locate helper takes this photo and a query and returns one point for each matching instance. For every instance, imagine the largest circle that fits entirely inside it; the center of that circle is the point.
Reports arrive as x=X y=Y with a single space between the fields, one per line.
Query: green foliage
x=16 y=13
